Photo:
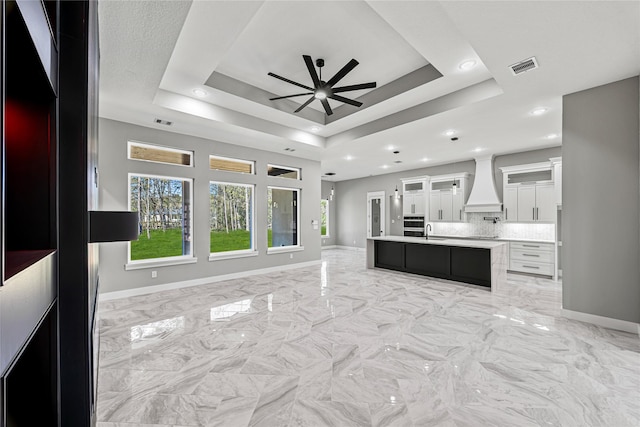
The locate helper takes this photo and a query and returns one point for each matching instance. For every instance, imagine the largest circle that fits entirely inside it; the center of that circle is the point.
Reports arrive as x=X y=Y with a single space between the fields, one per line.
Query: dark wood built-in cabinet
x=462 y=264
x=48 y=270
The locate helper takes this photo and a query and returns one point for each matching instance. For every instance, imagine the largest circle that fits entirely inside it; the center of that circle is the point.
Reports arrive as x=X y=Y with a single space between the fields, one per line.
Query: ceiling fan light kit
x=322 y=90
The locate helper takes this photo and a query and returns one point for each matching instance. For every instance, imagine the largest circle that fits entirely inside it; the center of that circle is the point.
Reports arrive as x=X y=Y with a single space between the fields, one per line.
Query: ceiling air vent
x=162 y=122
x=524 y=66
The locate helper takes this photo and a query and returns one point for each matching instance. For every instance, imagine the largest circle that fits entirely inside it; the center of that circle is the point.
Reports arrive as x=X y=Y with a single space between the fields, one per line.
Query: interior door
x=375 y=217
x=375 y=214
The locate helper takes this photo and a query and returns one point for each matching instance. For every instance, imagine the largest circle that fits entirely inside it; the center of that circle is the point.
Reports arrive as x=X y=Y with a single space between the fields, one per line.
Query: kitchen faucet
x=427 y=231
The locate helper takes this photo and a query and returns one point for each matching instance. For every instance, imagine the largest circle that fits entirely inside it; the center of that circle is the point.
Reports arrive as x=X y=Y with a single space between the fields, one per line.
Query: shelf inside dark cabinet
x=29 y=150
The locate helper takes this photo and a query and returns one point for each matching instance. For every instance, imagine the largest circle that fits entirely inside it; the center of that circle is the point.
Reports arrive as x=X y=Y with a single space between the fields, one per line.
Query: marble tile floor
x=339 y=345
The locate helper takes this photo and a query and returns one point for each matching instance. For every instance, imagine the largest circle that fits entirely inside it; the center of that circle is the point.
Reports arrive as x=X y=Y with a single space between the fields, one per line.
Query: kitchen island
x=478 y=262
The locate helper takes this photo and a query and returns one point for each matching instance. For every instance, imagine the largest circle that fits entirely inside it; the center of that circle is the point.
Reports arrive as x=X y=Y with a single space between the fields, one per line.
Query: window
x=324 y=218
x=282 y=217
x=157 y=154
x=164 y=212
x=230 y=217
x=231 y=165
x=283 y=172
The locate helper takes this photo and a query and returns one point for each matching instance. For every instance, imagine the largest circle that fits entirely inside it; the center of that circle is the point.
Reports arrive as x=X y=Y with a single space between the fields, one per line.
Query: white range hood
x=483 y=197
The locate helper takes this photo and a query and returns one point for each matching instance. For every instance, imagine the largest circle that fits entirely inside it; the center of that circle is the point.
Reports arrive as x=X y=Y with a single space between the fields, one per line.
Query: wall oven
x=414 y=226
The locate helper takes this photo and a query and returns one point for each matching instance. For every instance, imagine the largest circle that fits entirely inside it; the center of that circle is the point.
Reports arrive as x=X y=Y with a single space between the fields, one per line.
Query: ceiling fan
x=322 y=90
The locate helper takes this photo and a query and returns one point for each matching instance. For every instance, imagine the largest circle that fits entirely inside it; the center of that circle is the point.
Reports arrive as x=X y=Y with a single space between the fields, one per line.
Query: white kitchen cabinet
x=414 y=195
x=536 y=203
x=529 y=193
x=413 y=203
x=532 y=257
x=443 y=204
x=510 y=203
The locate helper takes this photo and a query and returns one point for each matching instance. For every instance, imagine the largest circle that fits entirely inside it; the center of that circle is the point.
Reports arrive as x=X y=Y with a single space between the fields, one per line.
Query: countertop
x=499 y=239
x=465 y=243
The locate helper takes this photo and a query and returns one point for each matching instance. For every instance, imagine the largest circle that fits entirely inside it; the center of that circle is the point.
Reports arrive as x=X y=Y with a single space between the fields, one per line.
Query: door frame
x=371 y=195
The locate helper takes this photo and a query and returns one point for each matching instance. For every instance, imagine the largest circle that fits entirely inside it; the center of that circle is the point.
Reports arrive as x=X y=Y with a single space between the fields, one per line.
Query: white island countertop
x=464 y=243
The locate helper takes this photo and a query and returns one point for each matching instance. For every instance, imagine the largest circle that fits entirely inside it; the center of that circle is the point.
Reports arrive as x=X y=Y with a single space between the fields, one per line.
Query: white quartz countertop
x=465 y=243
x=499 y=239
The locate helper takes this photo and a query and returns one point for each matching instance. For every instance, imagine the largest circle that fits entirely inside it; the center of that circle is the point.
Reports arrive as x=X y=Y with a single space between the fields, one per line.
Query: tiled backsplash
x=477 y=226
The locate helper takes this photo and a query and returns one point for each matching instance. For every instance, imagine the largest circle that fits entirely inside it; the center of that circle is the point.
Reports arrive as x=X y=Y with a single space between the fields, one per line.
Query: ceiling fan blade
x=327 y=107
x=343 y=72
x=290 y=96
x=305 y=104
x=312 y=70
x=346 y=100
x=290 y=81
x=370 y=85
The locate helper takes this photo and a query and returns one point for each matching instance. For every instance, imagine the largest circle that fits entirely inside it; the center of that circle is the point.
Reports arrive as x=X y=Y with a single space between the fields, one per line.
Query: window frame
x=290 y=168
x=327 y=217
x=253 y=251
x=163 y=261
x=290 y=248
x=252 y=163
x=160 y=147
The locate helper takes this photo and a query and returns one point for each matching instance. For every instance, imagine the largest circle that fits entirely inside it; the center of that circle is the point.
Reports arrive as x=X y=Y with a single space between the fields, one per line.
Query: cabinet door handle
x=538 y=214
x=460 y=214
x=537 y=256
x=531 y=266
x=506 y=214
x=531 y=246
x=534 y=213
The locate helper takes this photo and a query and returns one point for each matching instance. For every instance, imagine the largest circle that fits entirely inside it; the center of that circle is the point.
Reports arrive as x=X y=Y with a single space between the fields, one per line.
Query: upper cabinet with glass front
x=447 y=196
x=529 y=193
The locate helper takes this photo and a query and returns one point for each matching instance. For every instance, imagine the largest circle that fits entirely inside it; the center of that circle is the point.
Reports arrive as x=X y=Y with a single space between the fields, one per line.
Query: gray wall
x=114 y=169
x=333 y=224
x=352 y=194
x=601 y=201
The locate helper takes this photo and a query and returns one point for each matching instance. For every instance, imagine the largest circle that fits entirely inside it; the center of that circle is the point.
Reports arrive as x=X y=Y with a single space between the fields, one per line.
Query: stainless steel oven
x=414 y=226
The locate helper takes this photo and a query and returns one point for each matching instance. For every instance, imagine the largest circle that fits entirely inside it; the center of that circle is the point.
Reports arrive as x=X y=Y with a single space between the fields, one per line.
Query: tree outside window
x=164 y=215
x=230 y=217
x=324 y=218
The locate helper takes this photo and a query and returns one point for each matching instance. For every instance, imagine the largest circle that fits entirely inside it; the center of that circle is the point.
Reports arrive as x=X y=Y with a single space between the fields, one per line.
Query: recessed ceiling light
x=385 y=166
x=552 y=136
x=467 y=65
x=450 y=132
x=478 y=149
x=315 y=128
x=425 y=159
x=349 y=157
x=200 y=93
x=539 y=111
x=390 y=147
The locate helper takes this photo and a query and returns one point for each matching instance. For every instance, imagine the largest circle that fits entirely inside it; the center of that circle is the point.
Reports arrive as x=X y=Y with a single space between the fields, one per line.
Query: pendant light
x=455 y=187
x=396 y=193
x=332 y=194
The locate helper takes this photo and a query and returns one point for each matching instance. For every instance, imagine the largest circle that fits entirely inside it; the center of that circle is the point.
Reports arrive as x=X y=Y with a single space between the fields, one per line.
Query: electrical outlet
x=354 y=242
x=290 y=256
x=154 y=274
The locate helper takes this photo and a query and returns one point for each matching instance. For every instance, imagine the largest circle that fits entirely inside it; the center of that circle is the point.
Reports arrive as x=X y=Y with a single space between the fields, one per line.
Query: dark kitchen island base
x=481 y=263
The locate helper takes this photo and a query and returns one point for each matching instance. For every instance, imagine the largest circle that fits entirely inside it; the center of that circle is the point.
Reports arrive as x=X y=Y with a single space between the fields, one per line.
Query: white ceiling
x=154 y=53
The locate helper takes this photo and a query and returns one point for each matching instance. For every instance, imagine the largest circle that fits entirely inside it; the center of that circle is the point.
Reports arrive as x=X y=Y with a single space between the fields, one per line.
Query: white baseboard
x=107 y=296
x=330 y=247
x=350 y=248
x=605 y=322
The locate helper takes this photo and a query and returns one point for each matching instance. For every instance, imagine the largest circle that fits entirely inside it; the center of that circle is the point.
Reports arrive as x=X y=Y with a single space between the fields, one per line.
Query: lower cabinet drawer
x=547 y=247
x=531 y=267
x=526 y=255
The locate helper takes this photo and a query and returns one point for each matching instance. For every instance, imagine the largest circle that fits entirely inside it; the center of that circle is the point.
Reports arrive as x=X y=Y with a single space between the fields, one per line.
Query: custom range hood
x=483 y=197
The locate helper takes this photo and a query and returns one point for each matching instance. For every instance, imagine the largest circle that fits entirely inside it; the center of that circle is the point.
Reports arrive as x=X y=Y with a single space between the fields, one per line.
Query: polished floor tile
x=340 y=345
